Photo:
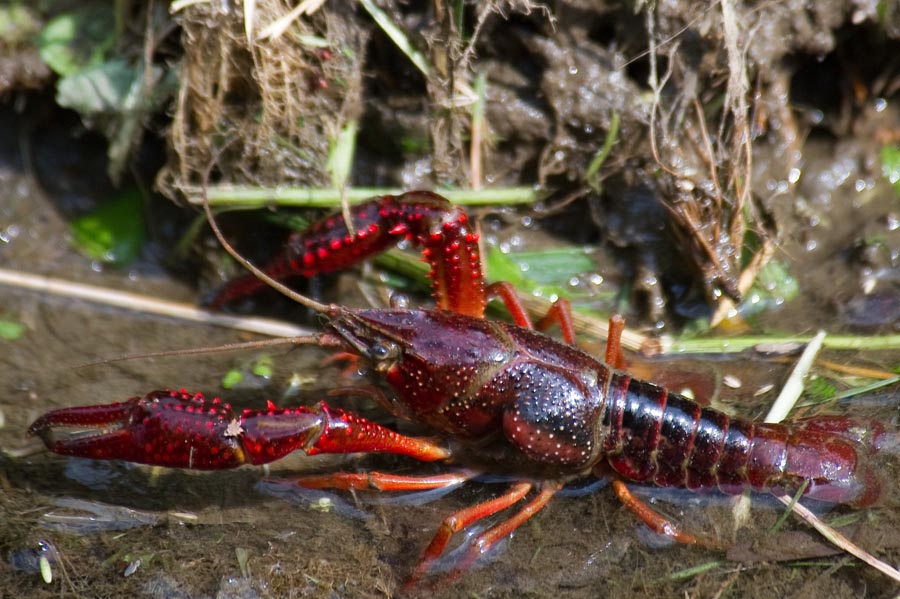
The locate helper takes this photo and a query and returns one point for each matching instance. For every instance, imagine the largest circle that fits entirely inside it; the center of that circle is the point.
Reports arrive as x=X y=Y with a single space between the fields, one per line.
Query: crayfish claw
x=163 y=428
x=84 y=431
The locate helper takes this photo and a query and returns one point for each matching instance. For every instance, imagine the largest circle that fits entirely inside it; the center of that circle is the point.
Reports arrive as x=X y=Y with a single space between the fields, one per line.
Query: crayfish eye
x=383 y=351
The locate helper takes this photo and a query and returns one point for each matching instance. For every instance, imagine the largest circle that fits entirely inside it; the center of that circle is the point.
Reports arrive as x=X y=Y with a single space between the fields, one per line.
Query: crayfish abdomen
x=656 y=436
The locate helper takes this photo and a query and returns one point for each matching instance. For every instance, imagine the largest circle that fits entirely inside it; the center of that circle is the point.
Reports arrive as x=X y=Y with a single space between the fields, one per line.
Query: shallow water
x=232 y=534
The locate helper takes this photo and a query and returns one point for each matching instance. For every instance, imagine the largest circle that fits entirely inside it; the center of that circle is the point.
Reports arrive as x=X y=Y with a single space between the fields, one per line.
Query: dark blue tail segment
x=656 y=436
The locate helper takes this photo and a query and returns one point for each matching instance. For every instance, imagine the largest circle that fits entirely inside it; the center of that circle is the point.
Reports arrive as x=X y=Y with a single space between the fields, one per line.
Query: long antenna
x=259 y=274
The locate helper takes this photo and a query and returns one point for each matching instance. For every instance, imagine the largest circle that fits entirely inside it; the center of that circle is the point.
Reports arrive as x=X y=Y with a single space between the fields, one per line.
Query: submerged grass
x=695 y=570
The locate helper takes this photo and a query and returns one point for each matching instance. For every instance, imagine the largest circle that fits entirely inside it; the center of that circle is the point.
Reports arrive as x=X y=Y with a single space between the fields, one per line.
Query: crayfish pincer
x=559 y=410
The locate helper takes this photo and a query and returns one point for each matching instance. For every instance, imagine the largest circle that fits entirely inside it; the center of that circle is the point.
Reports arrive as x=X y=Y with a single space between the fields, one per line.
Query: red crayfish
x=556 y=412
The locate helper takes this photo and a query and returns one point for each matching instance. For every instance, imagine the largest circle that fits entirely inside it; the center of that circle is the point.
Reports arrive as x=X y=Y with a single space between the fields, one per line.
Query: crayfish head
x=428 y=358
x=377 y=337
x=431 y=341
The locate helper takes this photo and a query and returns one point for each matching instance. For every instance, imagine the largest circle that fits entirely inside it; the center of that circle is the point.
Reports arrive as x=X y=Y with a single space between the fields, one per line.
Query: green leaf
x=890 y=165
x=414 y=143
x=264 y=367
x=113 y=233
x=844 y=520
x=78 y=38
x=243 y=557
x=112 y=97
x=501 y=267
x=820 y=390
x=100 y=89
x=232 y=378
x=548 y=267
x=547 y=272
x=776 y=281
x=11 y=330
x=773 y=286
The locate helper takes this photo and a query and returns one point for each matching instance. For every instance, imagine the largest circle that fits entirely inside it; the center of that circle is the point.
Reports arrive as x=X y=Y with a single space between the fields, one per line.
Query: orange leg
x=460 y=520
x=350 y=361
x=656 y=522
x=614 y=355
x=560 y=313
x=507 y=294
x=380 y=481
x=486 y=540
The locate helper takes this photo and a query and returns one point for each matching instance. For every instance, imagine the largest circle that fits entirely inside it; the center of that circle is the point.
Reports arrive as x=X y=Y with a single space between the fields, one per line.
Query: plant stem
x=737 y=344
x=256 y=197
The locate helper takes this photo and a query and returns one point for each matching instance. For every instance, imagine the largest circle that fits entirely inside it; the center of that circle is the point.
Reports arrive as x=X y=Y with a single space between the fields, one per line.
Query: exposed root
x=283 y=98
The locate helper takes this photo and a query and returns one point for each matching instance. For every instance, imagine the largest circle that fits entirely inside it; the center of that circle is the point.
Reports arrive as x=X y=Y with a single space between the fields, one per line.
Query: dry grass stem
x=146 y=305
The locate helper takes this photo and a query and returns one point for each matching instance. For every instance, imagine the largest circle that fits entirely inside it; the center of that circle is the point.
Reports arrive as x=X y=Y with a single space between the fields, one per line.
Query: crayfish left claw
x=177 y=429
x=85 y=429
x=163 y=428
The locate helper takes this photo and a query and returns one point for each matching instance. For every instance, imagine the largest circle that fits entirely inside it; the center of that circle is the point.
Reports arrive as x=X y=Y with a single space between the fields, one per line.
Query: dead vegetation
x=686 y=114
x=265 y=110
x=694 y=90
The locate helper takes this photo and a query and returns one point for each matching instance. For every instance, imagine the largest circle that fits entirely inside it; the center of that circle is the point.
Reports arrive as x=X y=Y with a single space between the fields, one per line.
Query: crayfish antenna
x=320 y=339
x=257 y=272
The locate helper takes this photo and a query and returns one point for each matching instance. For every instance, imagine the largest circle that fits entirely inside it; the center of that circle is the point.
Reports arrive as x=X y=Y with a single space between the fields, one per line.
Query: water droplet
x=399 y=301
